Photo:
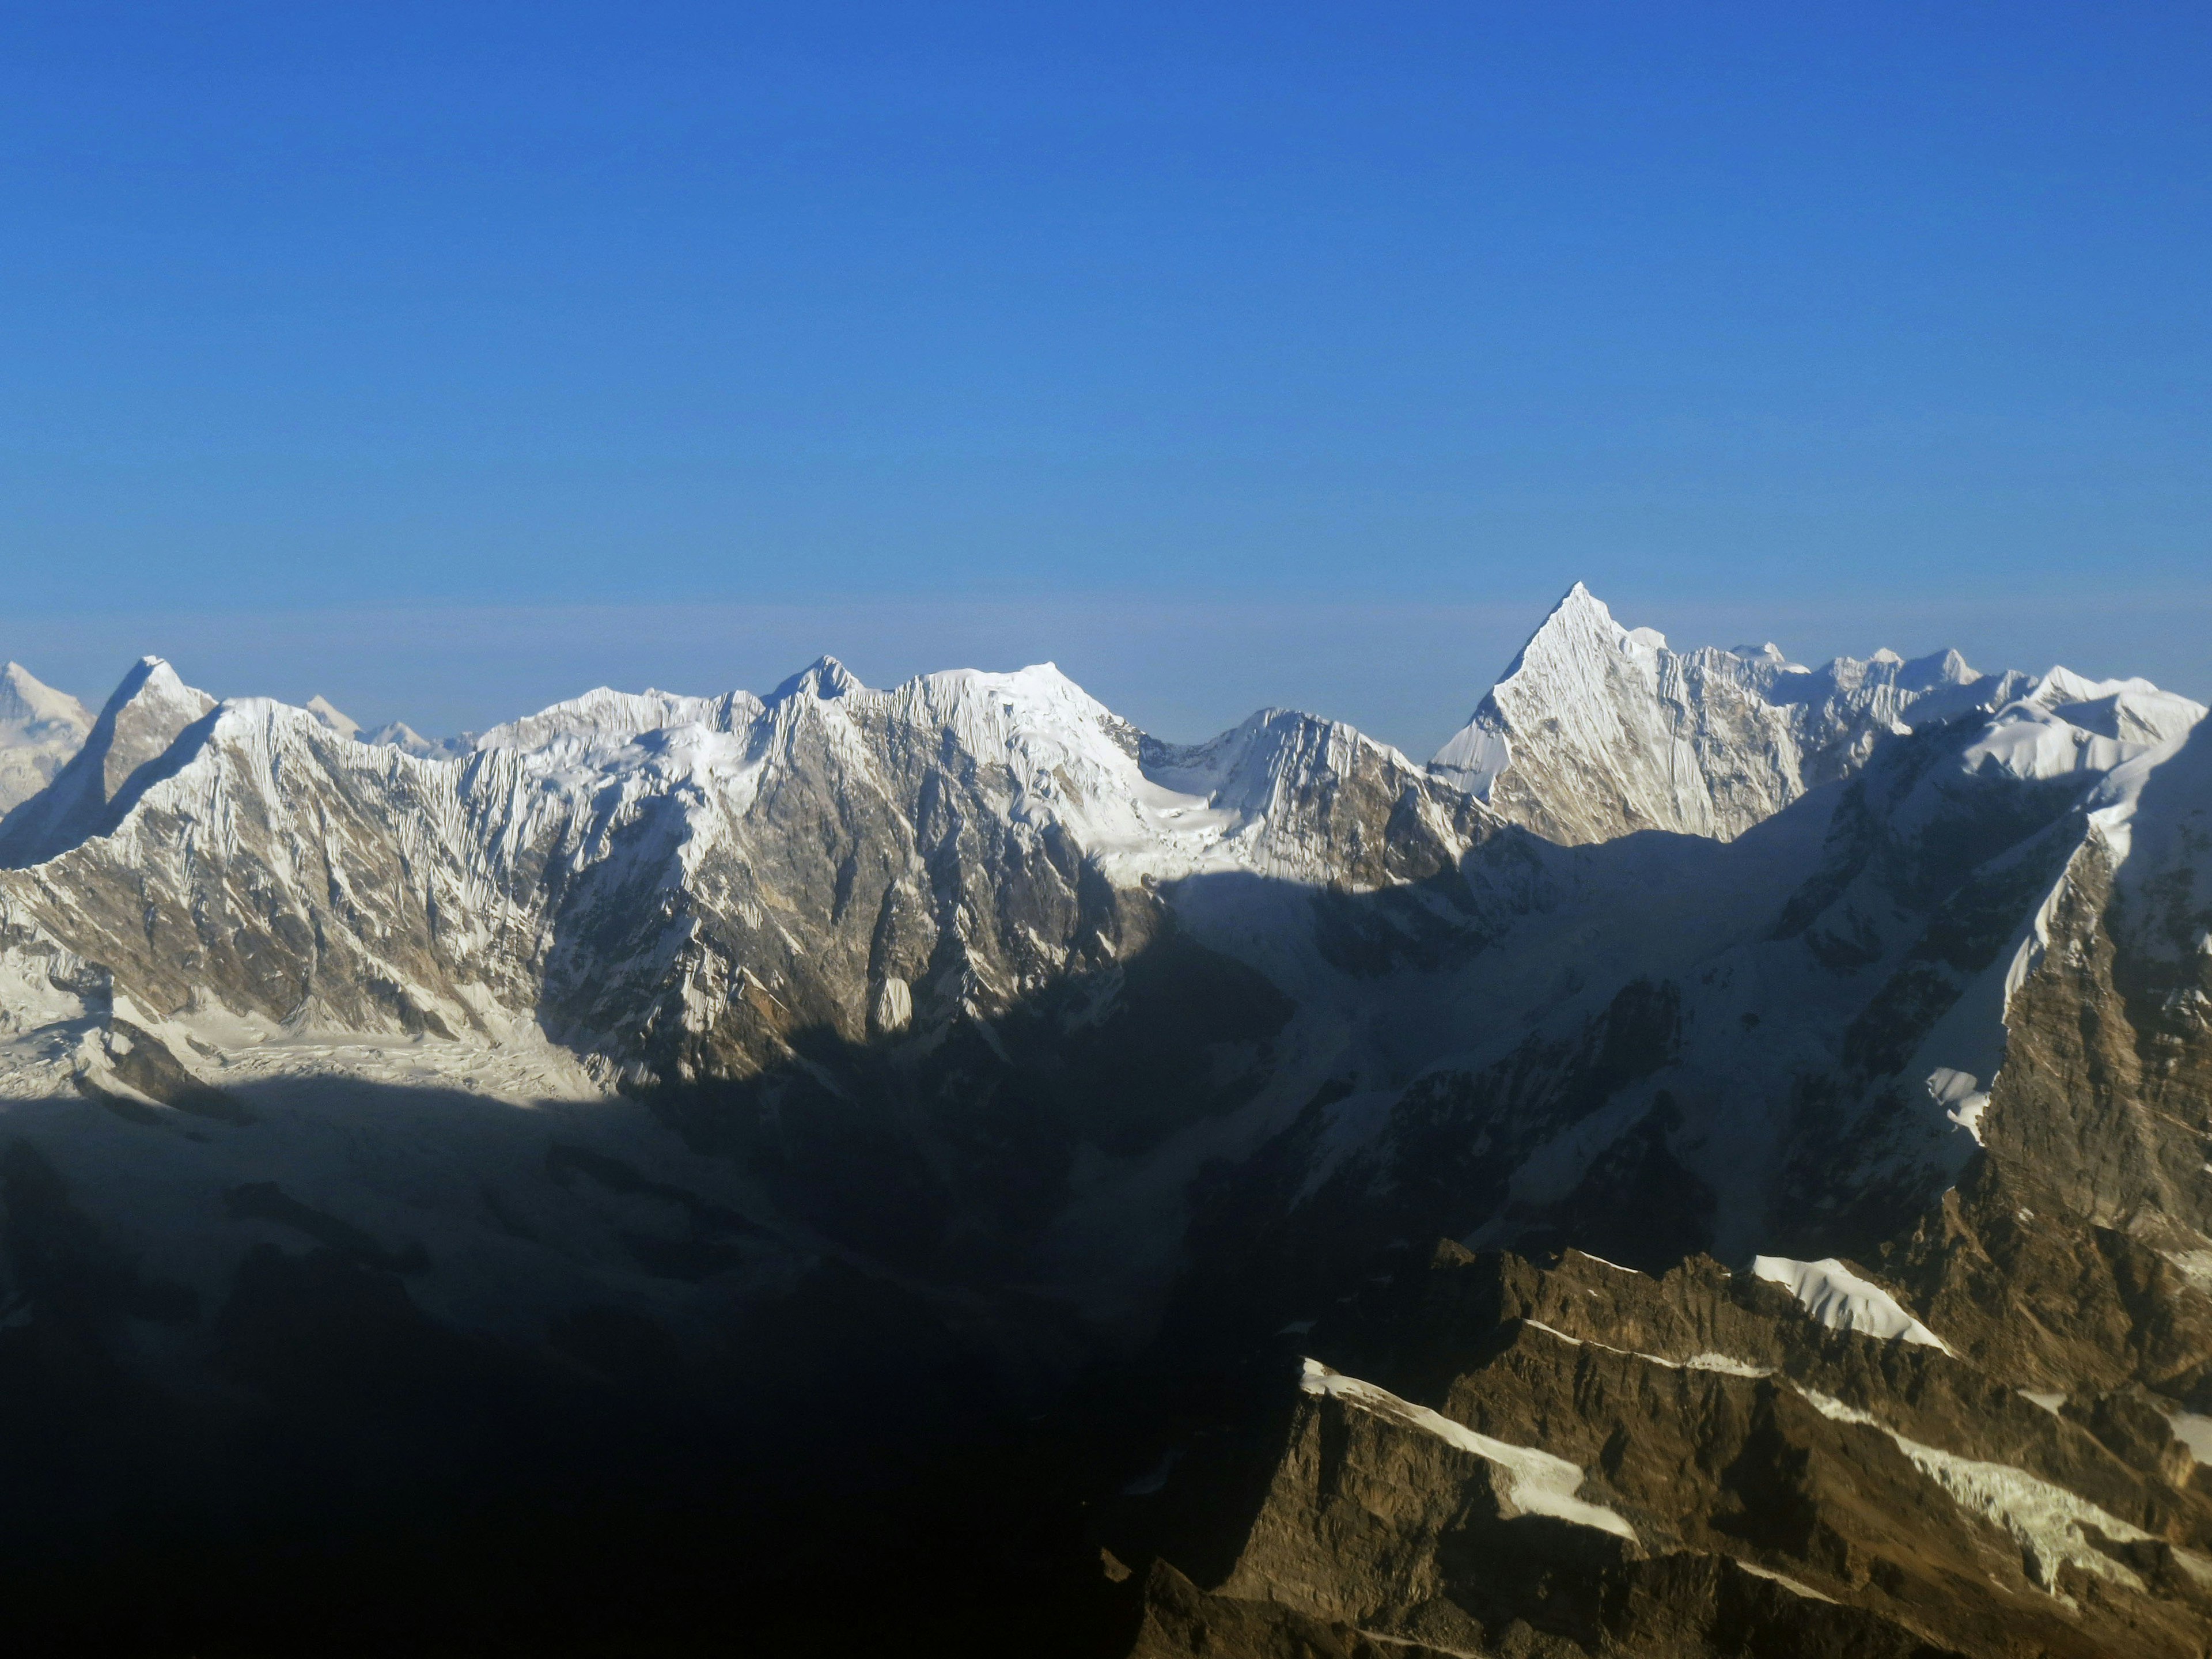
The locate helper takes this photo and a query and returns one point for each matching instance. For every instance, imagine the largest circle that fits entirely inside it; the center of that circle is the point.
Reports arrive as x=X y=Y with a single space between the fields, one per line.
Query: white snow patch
x=1697 y=1362
x=1535 y=1483
x=2194 y=1430
x=1841 y=1300
x=1785 y=1580
x=891 y=1005
x=2048 y=1522
x=1615 y=1266
x=1961 y=1095
x=1474 y=759
x=2196 y=1265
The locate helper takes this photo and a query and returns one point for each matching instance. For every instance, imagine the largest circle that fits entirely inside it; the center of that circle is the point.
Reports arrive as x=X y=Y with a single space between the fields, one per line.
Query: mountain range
x=1714 y=1162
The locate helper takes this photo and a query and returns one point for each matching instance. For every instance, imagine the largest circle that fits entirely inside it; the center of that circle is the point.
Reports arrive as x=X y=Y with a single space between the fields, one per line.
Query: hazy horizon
x=1182 y=668
x=448 y=360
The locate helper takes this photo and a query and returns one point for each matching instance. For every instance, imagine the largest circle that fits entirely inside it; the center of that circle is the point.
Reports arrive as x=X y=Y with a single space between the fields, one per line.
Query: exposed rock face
x=1612 y=1463
x=908 y=1068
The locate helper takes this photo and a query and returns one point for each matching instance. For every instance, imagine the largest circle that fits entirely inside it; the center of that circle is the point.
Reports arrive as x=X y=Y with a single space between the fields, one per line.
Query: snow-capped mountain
x=401 y=736
x=779 y=1058
x=144 y=717
x=1597 y=731
x=333 y=716
x=39 y=729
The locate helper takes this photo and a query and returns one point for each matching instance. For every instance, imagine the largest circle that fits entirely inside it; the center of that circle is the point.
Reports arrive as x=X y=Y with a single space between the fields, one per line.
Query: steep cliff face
x=1584 y=1459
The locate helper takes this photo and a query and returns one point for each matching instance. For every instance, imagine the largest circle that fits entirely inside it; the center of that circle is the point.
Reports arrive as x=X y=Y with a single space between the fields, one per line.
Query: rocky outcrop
x=1688 y=1465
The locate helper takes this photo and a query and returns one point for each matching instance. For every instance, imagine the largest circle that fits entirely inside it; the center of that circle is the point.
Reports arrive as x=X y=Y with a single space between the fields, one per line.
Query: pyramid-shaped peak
x=1580 y=614
x=324 y=710
x=26 y=699
x=152 y=677
x=141 y=720
x=1579 y=601
x=1580 y=633
x=825 y=679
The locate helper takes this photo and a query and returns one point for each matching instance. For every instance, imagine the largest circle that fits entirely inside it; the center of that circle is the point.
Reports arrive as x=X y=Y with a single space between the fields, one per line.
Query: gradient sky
x=448 y=358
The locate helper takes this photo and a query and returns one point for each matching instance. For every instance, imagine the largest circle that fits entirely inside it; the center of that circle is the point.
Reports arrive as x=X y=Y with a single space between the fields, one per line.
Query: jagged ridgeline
x=1715 y=1162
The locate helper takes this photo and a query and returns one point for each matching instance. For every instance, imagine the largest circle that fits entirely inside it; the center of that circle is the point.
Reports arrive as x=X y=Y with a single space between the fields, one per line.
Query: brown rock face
x=1610 y=1463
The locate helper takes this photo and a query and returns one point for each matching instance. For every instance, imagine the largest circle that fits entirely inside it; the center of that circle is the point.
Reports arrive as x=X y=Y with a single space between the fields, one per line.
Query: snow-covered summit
x=25 y=700
x=823 y=677
x=41 y=728
x=140 y=720
x=324 y=710
x=1597 y=730
x=398 y=734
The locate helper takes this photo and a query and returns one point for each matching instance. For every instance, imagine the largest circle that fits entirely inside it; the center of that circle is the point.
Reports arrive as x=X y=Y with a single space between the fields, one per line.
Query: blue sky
x=447 y=359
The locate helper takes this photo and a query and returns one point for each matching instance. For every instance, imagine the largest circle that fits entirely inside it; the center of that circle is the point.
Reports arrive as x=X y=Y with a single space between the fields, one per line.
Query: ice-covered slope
x=39 y=729
x=1597 y=730
x=145 y=714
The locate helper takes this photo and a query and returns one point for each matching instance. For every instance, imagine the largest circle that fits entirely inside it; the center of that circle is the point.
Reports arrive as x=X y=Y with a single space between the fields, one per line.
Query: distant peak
x=322 y=708
x=25 y=700
x=825 y=679
x=1579 y=599
x=146 y=671
x=27 y=685
x=2062 y=685
x=155 y=672
x=153 y=685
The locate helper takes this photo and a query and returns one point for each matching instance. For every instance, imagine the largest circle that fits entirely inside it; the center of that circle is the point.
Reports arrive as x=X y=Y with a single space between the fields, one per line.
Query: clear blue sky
x=448 y=358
